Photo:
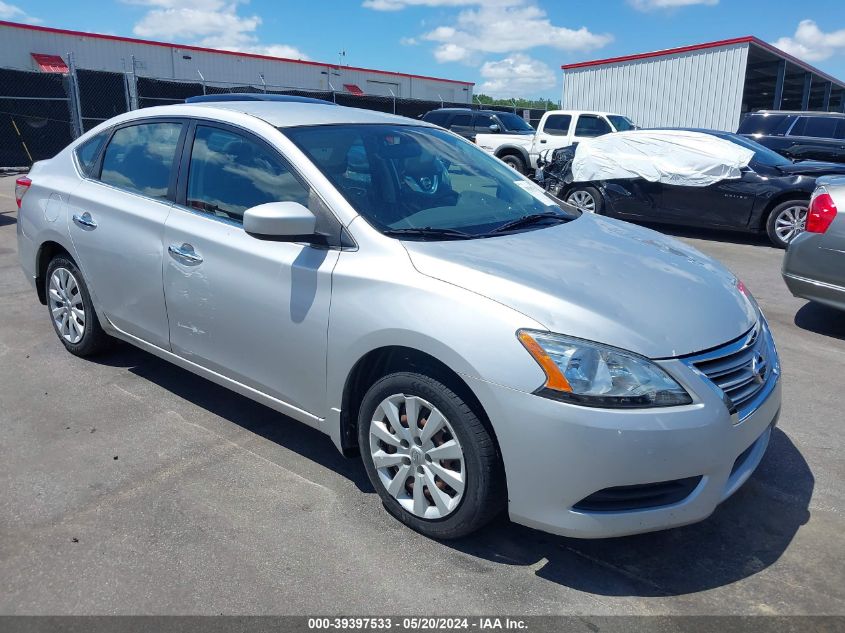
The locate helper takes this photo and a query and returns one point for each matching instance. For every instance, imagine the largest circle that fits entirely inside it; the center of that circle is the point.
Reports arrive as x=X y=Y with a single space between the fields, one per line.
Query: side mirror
x=494 y=128
x=285 y=221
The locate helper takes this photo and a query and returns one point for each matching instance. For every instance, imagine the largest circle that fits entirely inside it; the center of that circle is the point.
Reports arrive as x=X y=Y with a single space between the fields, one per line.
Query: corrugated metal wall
x=695 y=89
x=172 y=62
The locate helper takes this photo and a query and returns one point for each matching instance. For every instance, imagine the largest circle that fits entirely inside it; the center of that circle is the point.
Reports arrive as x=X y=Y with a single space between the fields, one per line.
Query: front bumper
x=556 y=454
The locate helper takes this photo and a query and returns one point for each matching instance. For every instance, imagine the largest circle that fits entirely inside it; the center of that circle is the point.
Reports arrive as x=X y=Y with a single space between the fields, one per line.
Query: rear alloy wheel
x=514 y=162
x=429 y=457
x=71 y=310
x=786 y=222
x=587 y=199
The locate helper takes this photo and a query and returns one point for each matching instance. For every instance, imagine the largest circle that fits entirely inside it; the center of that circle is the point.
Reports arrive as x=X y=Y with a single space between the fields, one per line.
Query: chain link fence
x=40 y=113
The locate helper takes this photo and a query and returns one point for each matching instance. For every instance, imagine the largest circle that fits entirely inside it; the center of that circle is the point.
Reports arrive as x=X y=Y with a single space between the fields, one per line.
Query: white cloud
x=211 y=23
x=812 y=44
x=651 y=5
x=504 y=26
x=12 y=12
x=516 y=76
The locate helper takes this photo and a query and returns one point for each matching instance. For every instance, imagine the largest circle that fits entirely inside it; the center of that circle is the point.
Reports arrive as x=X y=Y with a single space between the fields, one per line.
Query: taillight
x=22 y=185
x=821 y=213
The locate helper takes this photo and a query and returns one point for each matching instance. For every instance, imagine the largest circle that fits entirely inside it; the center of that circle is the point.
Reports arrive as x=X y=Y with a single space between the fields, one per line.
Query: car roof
x=468 y=110
x=230 y=96
x=797 y=113
x=279 y=114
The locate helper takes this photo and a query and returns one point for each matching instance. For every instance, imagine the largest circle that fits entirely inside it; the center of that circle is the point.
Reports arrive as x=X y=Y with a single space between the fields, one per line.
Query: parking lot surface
x=130 y=486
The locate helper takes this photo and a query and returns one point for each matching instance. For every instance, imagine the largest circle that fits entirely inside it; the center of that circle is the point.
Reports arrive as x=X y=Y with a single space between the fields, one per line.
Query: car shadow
x=248 y=414
x=746 y=534
x=821 y=319
x=8 y=218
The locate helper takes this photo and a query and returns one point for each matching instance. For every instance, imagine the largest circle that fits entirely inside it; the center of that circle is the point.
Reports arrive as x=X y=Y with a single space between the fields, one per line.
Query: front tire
x=429 y=457
x=786 y=222
x=514 y=162
x=586 y=198
x=71 y=310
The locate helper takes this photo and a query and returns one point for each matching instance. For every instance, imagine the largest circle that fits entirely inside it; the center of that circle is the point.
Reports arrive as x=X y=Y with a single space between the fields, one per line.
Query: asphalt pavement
x=129 y=486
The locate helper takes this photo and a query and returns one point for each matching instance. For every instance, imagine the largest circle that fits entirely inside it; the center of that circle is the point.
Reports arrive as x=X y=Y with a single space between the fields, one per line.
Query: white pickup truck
x=557 y=128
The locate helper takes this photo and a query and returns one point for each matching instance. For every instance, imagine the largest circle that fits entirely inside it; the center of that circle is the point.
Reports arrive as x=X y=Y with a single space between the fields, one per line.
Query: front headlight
x=595 y=375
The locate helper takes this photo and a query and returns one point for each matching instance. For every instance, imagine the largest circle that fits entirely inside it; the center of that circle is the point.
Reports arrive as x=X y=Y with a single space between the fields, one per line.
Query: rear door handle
x=185 y=252
x=85 y=220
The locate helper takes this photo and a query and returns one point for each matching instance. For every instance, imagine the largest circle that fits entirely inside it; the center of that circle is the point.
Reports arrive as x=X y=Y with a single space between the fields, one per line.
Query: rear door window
x=590 y=125
x=461 y=124
x=815 y=126
x=437 y=118
x=140 y=158
x=230 y=173
x=766 y=124
x=558 y=124
x=483 y=122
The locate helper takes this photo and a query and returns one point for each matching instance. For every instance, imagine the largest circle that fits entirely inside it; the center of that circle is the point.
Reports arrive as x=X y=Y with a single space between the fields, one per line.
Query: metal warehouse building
x=708 y=85
x=32 y=48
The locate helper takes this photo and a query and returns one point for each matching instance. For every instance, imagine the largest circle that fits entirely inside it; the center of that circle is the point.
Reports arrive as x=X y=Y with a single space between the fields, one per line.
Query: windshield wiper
x=527 y=220
x=428 y=231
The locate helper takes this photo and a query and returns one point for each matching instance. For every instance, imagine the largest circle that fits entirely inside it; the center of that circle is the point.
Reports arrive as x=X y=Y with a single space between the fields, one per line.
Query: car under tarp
x=672 y=157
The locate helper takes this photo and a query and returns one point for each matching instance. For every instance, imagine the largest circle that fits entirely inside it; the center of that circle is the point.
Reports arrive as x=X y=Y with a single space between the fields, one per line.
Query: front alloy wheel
x=417 y=456
x=430 y=458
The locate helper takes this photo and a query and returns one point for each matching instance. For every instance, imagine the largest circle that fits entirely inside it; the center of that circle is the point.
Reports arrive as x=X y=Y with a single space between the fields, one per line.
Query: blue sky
x=508 y=47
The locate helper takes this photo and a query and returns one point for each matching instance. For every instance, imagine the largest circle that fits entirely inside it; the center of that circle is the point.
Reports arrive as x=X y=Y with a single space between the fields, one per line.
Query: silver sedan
x=814 y=265
x=480 y=344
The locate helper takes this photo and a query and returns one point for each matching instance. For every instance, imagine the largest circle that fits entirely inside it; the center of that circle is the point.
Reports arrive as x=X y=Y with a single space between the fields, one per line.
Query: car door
x=117 y=224
x=589 y=126
x=461 y=123
x=553 y=133
x=253 y=310
x=727 y=203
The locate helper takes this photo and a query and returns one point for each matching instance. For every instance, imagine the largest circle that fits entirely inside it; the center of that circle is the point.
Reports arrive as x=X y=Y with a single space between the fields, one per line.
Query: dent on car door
x=254 y=310
x=116 y=223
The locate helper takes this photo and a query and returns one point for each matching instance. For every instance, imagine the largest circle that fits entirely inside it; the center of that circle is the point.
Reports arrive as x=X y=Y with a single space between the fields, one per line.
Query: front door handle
x=185 y=252
x=85 y=220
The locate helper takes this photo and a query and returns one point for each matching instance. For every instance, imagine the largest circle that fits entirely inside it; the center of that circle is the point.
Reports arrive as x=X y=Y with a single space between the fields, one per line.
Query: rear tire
x=71 y=310
x=586 y=198
x=515 y=162
x=411 y=460
x=786 y=222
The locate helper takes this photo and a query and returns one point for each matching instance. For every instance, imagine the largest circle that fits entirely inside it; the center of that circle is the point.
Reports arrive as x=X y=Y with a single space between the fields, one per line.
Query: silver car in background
x=814 y=264
x=482 y=345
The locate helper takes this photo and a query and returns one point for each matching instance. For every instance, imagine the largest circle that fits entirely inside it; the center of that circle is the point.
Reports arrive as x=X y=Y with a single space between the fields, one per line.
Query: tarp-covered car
x=688 y=177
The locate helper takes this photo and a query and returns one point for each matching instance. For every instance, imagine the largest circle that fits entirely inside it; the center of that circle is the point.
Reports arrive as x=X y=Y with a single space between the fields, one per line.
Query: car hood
x=603 y=280
x=812 y=168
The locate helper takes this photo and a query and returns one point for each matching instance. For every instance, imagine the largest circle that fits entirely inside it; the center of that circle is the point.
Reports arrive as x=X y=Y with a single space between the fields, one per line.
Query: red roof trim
x=668 y=51
x=748 y=39
x=189 y=47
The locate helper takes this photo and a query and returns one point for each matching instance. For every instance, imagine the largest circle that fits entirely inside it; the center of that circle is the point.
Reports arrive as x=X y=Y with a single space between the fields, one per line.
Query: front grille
x=741 y=369
x=639 y=497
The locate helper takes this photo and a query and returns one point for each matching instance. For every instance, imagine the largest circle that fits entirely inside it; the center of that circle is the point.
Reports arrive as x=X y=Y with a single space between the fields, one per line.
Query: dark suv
x=468 y=123
x=798 y=135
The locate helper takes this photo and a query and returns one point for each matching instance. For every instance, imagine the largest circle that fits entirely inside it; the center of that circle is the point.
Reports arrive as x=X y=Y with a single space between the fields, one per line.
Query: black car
x=798 y=135
x=772 y=196
x=468 y=122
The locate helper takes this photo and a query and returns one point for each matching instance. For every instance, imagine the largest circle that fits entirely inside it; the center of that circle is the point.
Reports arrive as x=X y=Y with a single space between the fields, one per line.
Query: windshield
x=621 y=123
x=409 y=178
x=762 y=155
x=514 y=123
